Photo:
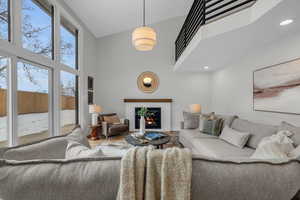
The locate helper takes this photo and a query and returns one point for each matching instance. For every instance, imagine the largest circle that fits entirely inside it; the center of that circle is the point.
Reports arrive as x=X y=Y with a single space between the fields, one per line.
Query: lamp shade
x=195 y=108
x=144 y=38
x=95 y=108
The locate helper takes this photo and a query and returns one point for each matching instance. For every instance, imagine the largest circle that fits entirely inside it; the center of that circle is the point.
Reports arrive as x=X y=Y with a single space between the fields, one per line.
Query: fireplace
x=153 y=121
x=165 y=106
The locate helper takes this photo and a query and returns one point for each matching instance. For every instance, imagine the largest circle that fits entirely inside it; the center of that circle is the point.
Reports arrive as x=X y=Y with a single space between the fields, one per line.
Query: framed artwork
x=277 y=88
x=90 y=90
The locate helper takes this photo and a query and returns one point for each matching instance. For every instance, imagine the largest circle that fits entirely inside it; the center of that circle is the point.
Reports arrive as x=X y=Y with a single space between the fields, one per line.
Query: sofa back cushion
x=257 y=130
x=77 y=135
x=75 y=179
x=284 y=126
x=51 y=148
x=191 y=120
x=228 y=119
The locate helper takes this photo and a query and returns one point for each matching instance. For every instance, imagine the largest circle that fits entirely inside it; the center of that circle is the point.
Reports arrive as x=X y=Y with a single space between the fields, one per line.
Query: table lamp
x=195 y=108
x=94 y=110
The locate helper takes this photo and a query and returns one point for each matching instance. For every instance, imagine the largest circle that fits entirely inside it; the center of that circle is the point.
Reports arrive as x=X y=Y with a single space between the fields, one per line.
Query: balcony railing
x=203 y=12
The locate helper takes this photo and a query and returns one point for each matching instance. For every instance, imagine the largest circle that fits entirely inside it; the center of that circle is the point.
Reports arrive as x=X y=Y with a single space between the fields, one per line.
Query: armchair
x=112 y=125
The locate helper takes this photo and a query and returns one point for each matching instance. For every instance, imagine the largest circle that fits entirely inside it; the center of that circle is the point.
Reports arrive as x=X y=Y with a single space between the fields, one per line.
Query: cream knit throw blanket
x=148 y=174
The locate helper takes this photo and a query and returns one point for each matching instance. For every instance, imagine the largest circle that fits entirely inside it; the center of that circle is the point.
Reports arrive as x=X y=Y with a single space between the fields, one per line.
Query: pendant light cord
x=144 y=15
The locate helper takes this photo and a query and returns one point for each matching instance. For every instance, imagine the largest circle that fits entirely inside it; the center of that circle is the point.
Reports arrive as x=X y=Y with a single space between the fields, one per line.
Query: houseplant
x=142 y=113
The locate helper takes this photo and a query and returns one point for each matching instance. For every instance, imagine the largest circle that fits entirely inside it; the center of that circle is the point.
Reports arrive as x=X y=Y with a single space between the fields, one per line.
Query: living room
x=217 y=82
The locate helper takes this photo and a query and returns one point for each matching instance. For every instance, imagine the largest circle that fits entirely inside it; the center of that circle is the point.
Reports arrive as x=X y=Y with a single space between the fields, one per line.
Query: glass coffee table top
x=158 y=143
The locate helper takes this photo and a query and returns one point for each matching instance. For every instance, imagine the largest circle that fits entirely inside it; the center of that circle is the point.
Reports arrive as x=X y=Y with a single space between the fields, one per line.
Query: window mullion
x=13 y=103
x=16 y=25
x=56 y=74
x=56 y=102
x=56 y=35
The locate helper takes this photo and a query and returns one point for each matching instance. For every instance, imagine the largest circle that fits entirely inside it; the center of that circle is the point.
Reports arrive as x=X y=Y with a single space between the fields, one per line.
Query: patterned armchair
x=112 y=125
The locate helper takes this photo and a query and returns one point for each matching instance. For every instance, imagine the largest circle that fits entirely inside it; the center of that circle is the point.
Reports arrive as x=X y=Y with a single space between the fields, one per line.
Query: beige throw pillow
x=295 y=154
x=234 y=137
x=77 y=150
x=113 y=119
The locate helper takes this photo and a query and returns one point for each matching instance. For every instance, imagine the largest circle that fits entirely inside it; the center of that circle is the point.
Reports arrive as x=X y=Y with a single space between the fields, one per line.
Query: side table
x=95 y=132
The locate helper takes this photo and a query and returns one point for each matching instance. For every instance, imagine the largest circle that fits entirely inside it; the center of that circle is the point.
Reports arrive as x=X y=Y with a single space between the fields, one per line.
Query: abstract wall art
x=277 y=88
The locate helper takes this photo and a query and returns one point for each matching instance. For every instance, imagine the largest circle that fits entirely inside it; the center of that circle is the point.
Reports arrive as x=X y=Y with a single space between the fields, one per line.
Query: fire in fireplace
x=152 y=122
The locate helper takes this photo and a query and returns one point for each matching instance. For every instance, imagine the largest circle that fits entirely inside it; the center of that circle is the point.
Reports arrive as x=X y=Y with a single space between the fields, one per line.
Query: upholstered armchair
x=112 y=125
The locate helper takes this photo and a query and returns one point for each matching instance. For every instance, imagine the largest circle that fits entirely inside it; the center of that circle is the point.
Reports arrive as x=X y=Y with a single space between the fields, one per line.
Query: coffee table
x=144 y=142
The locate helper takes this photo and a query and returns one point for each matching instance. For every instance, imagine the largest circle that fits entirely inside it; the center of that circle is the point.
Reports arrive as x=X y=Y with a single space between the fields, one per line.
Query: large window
x=68 y=44
x=4 y=63
x=69 y=101
x=33 y=102
x=38 y=71
x=4 y=19
x=37 y=26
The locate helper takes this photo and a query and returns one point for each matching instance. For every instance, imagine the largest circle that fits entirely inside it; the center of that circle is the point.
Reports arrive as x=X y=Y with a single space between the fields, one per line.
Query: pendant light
x=144 y=38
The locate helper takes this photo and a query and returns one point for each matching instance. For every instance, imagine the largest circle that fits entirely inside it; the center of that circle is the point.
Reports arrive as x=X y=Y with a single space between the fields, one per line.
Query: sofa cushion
x=293 y=129
x=257 y=130
x=77 y=135
x=186 y=136
x=211 y=146
x=191 y=120
x=216 y=148
x=211 y=126
x=228 y=119
x=51 y=148
x=78 y=150
x=76 y=179
x=112 y=119
x=234 y=137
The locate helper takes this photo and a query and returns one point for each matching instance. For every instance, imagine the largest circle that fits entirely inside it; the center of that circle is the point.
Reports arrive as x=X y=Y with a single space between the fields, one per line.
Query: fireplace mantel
x=148 y=100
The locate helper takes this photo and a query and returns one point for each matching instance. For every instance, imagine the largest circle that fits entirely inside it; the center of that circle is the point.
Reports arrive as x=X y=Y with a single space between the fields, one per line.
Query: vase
x=142 y=127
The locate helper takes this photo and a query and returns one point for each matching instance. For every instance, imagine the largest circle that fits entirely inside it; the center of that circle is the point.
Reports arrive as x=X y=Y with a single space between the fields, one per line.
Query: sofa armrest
x=126 y=122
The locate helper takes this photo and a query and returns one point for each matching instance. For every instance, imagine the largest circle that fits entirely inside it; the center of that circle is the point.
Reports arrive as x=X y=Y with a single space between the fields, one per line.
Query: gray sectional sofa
x=212 y=146
x=39 y=171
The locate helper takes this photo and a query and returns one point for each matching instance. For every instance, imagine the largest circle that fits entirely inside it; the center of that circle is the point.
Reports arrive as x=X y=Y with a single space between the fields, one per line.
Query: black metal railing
x=203 y=12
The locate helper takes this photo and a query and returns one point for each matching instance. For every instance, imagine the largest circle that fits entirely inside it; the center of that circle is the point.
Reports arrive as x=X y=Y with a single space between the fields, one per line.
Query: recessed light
x=286 y=22
x=206 y=67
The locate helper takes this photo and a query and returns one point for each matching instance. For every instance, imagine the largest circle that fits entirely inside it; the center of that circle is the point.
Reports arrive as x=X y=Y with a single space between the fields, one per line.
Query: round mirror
x=148 y=82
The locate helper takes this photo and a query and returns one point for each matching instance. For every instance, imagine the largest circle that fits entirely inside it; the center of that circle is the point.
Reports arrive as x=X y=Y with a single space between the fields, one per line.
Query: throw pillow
x=78 y=150
x=295 y=154
x=295 y=130
x=211 y=127
x=234 y=137
x=77 y=135
x=112 y=119
x=191 y=120
x=274 y=147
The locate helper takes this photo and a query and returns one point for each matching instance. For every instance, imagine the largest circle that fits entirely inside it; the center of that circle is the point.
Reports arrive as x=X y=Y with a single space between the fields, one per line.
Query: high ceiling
x=105 y=17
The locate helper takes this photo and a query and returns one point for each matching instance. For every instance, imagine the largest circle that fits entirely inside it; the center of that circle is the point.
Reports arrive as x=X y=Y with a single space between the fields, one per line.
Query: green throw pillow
x=212 y=126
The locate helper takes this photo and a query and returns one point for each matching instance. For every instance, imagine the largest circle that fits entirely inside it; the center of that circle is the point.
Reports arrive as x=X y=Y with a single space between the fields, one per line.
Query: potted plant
x=143 y=112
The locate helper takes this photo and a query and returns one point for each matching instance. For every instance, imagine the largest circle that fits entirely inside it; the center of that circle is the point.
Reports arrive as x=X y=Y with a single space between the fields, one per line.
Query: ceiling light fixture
x=206 y=67
x=144 y=37
x=286 y=22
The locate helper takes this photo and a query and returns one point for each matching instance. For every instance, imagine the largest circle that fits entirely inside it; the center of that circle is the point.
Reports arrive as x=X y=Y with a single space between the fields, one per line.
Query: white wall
x=119 y=65
x=232 y=87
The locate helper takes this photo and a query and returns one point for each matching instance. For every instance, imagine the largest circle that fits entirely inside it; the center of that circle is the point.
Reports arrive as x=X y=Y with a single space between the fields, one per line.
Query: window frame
x=50 y=93
x=9 y=22
x=14 y=50
x=69 y=26
x=52 y=15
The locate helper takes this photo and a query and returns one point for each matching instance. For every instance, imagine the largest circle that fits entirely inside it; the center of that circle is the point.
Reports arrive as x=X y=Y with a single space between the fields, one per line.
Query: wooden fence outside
x=34 y=102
